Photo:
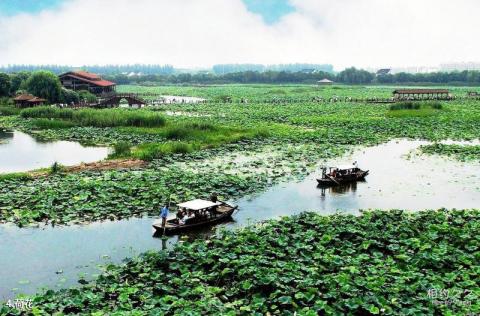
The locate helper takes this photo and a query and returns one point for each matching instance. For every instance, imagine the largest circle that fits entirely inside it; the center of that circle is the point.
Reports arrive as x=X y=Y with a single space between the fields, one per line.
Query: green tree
x=4 y=85
x=19 y=81
x=355 y=76
x=69 y=96
x=45 y=84
x=87 y=96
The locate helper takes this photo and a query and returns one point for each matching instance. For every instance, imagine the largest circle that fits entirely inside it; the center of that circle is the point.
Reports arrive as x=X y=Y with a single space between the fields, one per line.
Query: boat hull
x=329 y=180
x=173 y=228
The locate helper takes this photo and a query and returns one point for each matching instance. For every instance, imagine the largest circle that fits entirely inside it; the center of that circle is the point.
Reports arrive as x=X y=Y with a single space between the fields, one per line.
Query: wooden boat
x=205 y=213
x=342 y=174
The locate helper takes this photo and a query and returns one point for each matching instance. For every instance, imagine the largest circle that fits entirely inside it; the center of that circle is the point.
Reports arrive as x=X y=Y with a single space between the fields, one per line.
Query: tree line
x=347 y=76
x=98 y=69
x=158 y=74
x=45 y=84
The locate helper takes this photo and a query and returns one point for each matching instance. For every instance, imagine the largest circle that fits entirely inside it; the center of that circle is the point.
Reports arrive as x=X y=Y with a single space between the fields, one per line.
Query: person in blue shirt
x=164 y=214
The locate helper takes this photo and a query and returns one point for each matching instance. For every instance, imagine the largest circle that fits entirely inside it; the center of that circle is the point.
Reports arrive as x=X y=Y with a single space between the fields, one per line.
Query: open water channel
x=22 y=152
x=56 y=256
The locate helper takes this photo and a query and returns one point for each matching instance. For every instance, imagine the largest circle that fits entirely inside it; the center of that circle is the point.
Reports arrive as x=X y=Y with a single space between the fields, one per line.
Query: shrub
x=121 y=149
x=87 y=96
x=436 y=105
x=56 y=168
x=69 y=96
x=9 y=110
x=405 y=106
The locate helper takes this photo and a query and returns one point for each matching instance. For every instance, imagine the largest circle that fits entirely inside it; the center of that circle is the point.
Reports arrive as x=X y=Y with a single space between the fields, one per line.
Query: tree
x=355 y=76
x=70 y=96
x=45 y=84
x=4 y=85
x=85 y=95
x=19 y=81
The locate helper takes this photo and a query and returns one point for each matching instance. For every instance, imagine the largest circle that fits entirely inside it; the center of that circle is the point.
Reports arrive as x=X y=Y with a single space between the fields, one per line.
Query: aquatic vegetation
x=9 y=110
x=120 y=150
x=460 y=152
x=15 y=176
x=98 y=118
x=95 y=195
x=382 y=262
x=410 y=105
x=414 y=109
x=51 y=124
x=154 y=151
x=263 y=142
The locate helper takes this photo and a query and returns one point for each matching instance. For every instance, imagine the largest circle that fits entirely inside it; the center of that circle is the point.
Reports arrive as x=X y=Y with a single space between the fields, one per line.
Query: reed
x=99 y=118
x=9 y=111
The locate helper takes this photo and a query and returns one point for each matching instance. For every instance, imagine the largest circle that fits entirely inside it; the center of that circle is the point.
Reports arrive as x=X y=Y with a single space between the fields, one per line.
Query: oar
x=333 y=179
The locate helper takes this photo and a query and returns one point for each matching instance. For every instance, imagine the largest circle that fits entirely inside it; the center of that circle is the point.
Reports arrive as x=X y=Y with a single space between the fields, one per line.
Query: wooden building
x=82 y=80
x=28 y=100
x=421 y=94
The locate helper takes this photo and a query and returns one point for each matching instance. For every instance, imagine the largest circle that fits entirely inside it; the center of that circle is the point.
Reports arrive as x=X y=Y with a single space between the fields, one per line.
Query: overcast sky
x=200 y=33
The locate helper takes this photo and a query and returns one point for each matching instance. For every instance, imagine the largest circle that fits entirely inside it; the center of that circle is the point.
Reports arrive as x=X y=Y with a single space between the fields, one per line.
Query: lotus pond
x=389 y=263
x=264 y=157
x=81 y=249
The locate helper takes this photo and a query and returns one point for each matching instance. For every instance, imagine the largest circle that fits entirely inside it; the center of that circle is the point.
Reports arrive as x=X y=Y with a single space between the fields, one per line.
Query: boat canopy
x=196 y=205
x=346 y=167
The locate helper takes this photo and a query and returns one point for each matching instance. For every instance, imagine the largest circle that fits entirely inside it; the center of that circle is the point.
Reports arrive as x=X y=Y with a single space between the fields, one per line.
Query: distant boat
x=205 y=213
x=341 y=174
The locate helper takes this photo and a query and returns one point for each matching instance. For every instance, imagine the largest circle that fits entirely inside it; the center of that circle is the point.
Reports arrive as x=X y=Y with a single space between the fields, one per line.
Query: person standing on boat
x=164 y=214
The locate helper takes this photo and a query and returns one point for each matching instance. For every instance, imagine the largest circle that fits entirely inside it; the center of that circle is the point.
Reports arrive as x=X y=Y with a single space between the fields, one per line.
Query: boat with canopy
x=195 y=214
x=341 y=175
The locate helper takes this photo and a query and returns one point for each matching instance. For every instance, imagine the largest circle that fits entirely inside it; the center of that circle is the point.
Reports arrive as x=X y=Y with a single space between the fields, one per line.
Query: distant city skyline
x=201 y=33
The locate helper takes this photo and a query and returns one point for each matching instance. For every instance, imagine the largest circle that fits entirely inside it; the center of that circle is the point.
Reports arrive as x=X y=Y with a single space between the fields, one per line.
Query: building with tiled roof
x=83 y=80
x=28 y=100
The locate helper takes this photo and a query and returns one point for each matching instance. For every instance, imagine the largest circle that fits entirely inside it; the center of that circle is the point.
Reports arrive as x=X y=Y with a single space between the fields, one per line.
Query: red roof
x=23 y=97
x=86 y=75
x=89 y=77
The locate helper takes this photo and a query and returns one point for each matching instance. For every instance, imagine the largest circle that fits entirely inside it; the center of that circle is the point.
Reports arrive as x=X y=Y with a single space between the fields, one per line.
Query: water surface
x=398 y=179
x=21 y=152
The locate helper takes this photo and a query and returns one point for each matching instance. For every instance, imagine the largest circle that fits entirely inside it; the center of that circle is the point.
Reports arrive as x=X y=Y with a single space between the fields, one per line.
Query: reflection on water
x=22 y=152
x=5 y=135
x=395 y=181
x=337 y=189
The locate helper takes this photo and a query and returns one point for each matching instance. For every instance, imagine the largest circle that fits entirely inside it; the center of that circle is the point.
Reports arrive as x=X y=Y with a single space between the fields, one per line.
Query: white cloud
x=204 y=32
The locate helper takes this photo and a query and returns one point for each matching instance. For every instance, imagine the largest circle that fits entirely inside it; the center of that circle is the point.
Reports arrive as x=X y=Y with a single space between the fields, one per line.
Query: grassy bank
x=460 y=152
x=380 y=263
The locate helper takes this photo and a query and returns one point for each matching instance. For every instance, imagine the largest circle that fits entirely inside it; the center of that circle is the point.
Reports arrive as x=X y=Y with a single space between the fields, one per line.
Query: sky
x=201 y=33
